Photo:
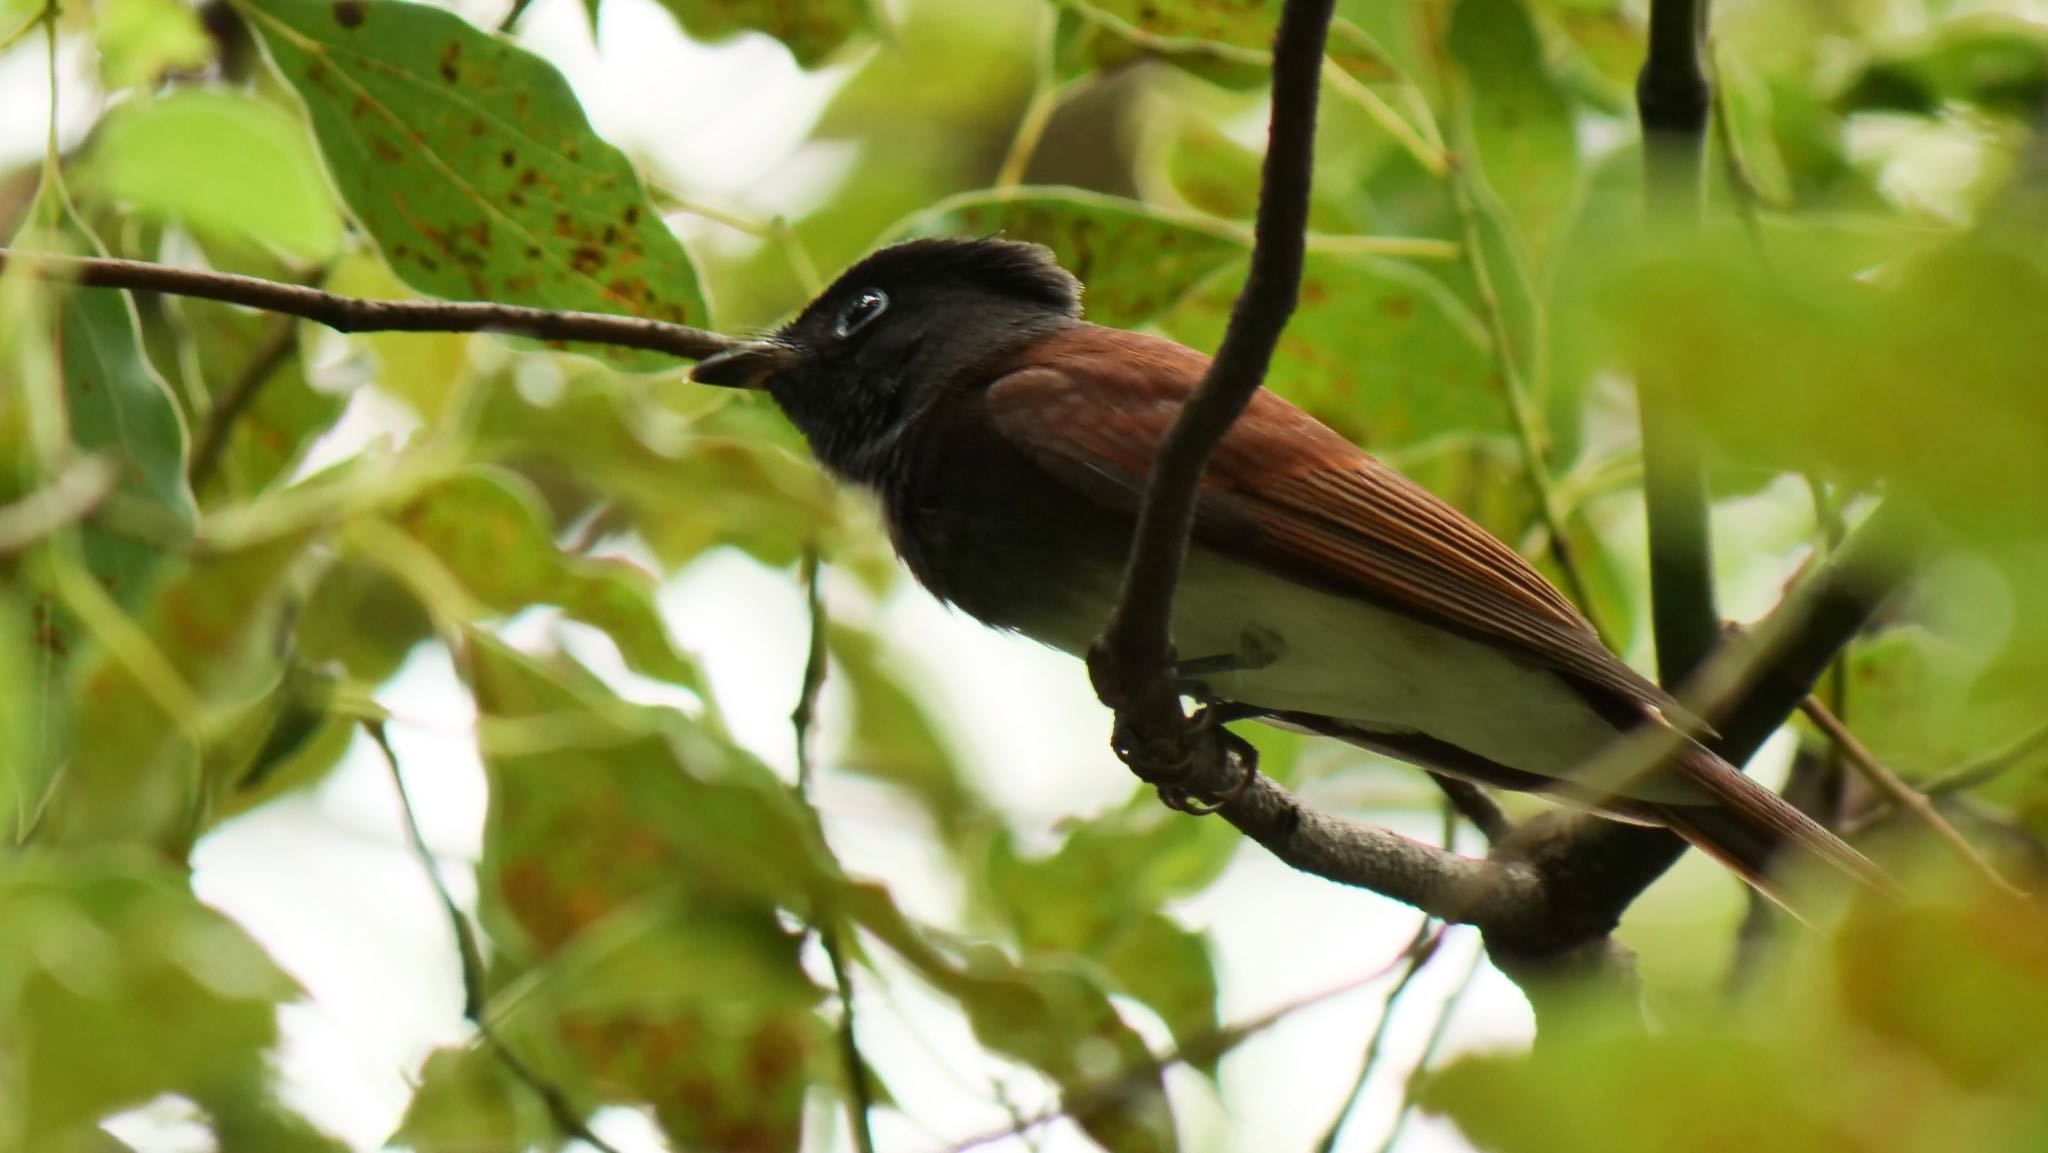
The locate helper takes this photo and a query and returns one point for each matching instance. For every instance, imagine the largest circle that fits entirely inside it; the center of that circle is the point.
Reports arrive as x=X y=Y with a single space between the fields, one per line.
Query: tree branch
x=1672 y=100
x=355 y=314
x=1602 y=866
x=1130 y=663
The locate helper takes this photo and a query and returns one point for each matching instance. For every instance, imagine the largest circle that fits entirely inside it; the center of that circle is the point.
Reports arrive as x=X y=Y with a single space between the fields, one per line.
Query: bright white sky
x=326 y=882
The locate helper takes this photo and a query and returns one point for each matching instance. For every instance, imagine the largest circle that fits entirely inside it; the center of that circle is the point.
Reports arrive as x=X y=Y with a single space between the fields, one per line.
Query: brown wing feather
x=1285 y=491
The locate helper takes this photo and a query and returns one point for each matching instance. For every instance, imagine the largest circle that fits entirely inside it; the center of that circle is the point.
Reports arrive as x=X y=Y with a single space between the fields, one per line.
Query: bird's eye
x=860 y=311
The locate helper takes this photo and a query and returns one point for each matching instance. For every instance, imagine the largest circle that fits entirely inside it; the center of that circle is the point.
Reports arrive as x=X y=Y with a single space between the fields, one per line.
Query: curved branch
x=1130 y=663
x=1758 y=679
x=355 y=314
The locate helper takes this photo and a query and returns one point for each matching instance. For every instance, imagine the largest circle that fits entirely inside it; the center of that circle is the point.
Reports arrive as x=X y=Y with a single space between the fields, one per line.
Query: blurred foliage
x=1912 y=1027
x=293 y=513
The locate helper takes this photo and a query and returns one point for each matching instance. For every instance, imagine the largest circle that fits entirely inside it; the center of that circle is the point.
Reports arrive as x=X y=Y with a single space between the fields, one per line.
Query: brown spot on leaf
x=631 y=289
x=350 y=13
x=1398 y=307
x=449 y=56
x=586 y=258
x=631 y=216
x=507 y=158
x=49 y=637
x=85 y=384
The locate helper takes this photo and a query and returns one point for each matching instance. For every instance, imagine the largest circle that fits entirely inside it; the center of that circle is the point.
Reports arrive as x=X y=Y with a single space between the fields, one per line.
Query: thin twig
x=860 y=1097
x=568 y=1122
x=1201 y=1049
x=209 y=447
x=1130 y=663
x=1899 y=793
x=1990 y=766
x=1046 y=98
x=512 y=15
x=1437 y=1033
x=70 y=496
x=1421 y=949
x=1528 y=423
x=355 y=314
x=1472 y=803
x=815 y=665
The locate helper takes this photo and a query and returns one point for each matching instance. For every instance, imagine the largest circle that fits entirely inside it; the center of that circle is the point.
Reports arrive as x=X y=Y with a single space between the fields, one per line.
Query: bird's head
x=894 y=332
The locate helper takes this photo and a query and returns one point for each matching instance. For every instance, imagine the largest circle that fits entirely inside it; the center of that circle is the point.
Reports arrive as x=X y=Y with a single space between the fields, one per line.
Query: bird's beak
x=747 y=365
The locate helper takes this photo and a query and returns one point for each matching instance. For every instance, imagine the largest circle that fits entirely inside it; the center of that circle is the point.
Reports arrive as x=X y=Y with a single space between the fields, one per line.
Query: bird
x=1009 y=442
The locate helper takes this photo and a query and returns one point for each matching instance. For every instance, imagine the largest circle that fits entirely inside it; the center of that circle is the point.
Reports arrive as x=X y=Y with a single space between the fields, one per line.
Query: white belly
x=1350 y=660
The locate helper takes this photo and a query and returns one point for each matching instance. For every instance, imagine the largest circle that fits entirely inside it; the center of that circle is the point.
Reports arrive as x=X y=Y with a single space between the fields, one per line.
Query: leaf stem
x=567 y=1120
x=860 y=1097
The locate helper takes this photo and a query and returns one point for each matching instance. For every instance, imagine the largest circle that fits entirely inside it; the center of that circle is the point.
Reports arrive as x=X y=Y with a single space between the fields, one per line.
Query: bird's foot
x=1236 y=751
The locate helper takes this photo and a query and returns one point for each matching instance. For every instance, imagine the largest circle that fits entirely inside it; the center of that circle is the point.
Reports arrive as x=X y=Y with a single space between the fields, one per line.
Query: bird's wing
x=1285 y=492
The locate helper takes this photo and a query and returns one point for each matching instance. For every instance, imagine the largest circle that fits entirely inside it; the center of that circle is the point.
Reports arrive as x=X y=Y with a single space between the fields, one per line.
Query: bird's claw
x=1236 y=750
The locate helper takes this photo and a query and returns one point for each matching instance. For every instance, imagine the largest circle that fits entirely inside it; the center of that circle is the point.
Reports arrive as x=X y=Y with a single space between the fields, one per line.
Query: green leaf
x=1419 y=369
x=699 y=1009
x=470 y=162
x=116 y=986
x=1377 y=350
x=1055 y=1017
x=26 y=766
x=1928 y=1008
x=140 y=40
x=1520 y=118
x=813 y=30
x=596 y=803
x=1088 y=39
x=468 y=1100
x=646 y=866
x=1815 y=364
x=1993 y=60
x=223 y=164
x=1168 y=967
x=1135 y=262
x=490 y=528
x=894 y=738
x=271 y=432
x=119 y=406
x=1133 y=859
x=210 y=635
x=735 y=476
x=1226 y=42
x=1247 y=26
x=347 y=593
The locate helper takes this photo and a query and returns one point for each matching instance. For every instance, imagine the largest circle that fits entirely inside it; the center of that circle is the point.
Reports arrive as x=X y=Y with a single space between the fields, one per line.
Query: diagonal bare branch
x=356 y=314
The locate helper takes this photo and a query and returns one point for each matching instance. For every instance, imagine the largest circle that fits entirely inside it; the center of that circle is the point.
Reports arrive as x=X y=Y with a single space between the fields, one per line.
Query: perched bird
x=1010 y=443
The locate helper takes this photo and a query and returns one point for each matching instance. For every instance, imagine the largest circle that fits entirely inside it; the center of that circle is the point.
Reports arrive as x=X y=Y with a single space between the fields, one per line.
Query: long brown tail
x=1753 y=830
